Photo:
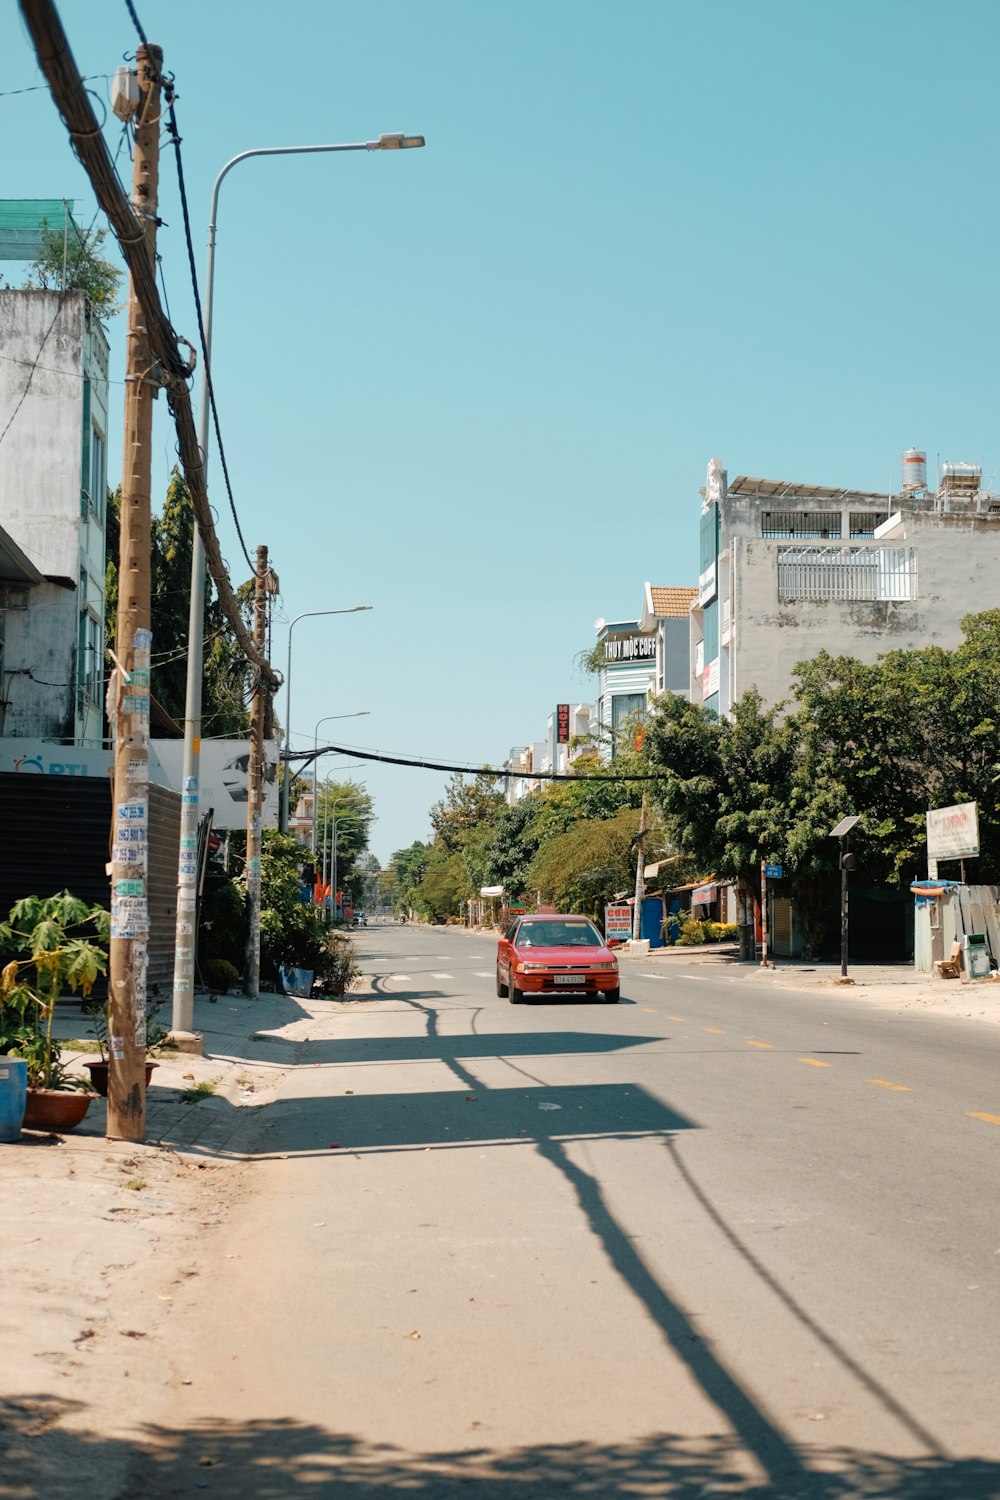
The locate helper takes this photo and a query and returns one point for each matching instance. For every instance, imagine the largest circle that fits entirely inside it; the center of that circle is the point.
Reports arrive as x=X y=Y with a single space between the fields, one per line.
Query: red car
x=548 y=955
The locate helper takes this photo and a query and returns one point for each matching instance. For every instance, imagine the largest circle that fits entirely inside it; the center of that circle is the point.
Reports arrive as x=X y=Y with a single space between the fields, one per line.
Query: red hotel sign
x=562 y=723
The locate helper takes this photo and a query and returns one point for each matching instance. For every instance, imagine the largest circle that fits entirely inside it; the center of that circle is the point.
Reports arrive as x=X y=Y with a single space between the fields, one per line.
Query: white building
x=788 y=570
x=639 y=659
x=53 y=494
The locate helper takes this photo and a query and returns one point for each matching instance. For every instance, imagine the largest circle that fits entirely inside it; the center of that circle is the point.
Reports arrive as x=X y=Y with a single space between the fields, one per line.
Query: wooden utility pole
x=259 y=713
x=128 y=694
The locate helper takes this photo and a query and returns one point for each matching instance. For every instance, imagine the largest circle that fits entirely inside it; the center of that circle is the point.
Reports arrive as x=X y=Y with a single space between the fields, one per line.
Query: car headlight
x=523 y=968
x=606 y=965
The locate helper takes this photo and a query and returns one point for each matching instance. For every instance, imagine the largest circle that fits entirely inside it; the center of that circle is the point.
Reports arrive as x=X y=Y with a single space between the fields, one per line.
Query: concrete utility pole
x=640 y=864
x=255 y=803
x=128 y=693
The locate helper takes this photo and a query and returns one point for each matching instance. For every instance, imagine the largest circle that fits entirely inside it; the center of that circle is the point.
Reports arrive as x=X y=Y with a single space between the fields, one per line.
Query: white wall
x=46 y=335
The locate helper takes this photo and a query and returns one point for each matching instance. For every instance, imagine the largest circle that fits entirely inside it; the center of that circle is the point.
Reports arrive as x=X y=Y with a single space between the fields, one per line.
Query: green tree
x=725 y=796
x=227 y=680
x=71 y=261
x=352 y=807
x=582 y=868
x=464 y=807
x=408 y=867
x=513 y=842
x=444 y=883
x=292 y=933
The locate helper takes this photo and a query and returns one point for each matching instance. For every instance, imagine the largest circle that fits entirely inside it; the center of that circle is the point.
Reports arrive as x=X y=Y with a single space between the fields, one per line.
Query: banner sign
x=619 y=649
x=618 y=922
x=223 y=781
x=953 y=832
x=562 y=723
x=704 y=895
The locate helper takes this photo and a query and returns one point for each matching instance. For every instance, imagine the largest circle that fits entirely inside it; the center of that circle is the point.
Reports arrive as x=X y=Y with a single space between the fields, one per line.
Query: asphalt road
x=702 y=1242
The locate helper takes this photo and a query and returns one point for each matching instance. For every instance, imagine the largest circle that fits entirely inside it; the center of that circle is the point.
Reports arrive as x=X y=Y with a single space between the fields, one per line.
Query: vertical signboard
x=562 y=723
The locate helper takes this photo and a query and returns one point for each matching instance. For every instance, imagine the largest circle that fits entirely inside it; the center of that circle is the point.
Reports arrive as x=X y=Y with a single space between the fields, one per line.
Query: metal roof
x=783 y=489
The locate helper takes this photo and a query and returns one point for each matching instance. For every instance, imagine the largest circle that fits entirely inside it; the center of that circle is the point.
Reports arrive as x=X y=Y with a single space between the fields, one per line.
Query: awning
x=491 y=890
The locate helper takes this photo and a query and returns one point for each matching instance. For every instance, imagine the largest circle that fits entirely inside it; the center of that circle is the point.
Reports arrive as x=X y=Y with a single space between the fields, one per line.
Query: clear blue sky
x=477 y=386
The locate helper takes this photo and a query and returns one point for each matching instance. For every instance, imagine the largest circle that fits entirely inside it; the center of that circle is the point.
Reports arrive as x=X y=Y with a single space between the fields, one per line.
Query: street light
x=361 y=714
x=848 y=862
x=347 y=817
x=184 y=948
x=309 y=614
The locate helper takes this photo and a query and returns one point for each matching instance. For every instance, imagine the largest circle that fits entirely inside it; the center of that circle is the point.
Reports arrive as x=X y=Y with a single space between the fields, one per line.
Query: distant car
x=551 y=955
x=359 y=919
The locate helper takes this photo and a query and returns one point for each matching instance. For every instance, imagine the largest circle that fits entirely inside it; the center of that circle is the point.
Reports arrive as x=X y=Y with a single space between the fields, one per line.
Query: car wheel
x=611 y=997
x=501 y=988
x=516 y=996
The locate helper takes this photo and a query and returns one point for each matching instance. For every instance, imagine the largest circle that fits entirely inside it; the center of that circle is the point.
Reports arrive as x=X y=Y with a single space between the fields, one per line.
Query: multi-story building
x=638 y=659
x=53 y=496
x=788 y=570
x=666 y=613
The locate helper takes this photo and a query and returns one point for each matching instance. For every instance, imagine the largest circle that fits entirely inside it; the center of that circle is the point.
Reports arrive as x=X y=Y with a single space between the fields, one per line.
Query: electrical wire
x=136 y=22
x=175 y=139
x=498 y=775
x=36 y=87
x=56 y=60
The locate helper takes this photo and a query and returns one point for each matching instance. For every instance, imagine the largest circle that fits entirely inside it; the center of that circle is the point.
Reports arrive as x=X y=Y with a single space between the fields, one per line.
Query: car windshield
x=558 y=934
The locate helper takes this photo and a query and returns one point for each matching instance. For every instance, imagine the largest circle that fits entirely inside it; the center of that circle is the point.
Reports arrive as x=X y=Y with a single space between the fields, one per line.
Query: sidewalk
x=100 y=1241
x=897 y=987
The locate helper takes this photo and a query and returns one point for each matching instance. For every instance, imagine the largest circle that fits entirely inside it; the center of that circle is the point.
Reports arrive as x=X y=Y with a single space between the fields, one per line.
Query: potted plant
x=337 y=967
x=155 y=1037
x=59 y=943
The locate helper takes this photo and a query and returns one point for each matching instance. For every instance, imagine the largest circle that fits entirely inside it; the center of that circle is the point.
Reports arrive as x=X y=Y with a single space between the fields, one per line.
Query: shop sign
x=953 y=832
x=562 y=723
x=619 y=649
x=618 y=922
x=703 y=895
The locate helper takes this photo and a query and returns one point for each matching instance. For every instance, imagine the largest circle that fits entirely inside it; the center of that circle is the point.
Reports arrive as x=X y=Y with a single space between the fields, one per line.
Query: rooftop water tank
x=961 y=480
x=913 y=470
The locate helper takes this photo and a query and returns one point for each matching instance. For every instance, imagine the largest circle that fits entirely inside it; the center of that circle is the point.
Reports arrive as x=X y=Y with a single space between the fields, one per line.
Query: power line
x=36 y=88
x=135 y=21
x=176 y=141
x=499 y=775
x=56 y=59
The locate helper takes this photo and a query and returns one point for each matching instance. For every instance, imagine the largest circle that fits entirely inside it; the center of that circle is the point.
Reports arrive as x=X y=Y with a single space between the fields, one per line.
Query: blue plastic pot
x=13 y=1097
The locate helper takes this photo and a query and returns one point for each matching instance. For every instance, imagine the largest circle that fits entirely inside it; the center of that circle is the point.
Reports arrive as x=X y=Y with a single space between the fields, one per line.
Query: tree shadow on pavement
x=277 y=1459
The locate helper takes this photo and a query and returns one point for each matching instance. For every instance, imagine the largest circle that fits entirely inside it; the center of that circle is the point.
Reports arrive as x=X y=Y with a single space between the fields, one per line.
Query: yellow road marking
x=714 y=1030
x=990 y=1119
x=676 y=1018
x=752 y=1043
x=815 y=1062
x=649 y=1010
x=897 y=1088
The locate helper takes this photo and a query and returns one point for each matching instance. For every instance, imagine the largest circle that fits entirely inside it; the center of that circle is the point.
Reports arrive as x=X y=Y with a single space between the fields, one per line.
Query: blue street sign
x=774 y=872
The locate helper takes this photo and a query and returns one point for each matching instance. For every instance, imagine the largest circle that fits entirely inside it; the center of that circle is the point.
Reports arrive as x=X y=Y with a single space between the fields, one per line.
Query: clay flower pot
x=55 y=1109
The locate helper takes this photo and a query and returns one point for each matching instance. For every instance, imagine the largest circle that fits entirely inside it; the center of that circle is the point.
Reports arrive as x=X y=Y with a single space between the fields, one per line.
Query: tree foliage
x=226 y=680
x=70 y=261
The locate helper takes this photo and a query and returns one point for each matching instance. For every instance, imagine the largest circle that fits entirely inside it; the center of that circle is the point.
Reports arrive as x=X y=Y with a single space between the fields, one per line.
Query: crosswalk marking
x=441 y=976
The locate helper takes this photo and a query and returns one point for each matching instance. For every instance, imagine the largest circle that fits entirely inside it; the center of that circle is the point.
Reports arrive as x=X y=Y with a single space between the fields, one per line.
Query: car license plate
x=577 y=979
